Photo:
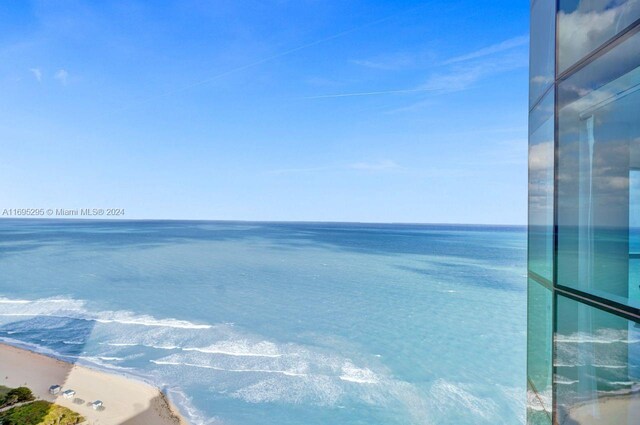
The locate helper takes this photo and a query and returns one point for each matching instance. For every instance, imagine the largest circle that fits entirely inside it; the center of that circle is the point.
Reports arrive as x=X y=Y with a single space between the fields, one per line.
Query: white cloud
x=458 y=79
x=616 y=182
x=461 y=72
x=388 y=63
x=37 y=73
x=490 y=50
x=301 y=170
x=539 y=79
x=540 y=181
x=62 y=76
x=583 y=29
x=369 y=93
x=463 y=75
x=541 y=156
x=382 y=165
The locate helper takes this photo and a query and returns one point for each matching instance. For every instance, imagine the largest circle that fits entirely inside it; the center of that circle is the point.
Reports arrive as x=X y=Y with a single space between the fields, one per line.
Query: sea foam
x=241 y=348
x=358 y=375
x=77 y=309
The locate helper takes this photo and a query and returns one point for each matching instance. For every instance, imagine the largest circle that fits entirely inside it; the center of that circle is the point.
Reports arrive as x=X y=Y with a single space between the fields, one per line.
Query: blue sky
x=383 y=111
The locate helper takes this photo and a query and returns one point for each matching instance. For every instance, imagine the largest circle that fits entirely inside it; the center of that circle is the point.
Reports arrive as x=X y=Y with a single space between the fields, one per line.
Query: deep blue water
x=281 y=323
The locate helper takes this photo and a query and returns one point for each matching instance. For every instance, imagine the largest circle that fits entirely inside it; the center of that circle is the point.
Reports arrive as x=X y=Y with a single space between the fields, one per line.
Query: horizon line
x=407 y=223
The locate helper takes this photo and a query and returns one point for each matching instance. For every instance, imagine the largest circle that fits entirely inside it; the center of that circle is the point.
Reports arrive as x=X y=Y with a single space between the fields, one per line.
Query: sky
x=305 y=110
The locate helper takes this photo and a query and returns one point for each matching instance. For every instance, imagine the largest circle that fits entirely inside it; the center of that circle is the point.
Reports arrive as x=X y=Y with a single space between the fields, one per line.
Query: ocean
x=281 y=323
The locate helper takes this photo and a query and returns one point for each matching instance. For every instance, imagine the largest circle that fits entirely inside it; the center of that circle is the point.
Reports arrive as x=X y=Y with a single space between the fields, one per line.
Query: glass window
x=634 y=234
x=598 y=151
x=539 y=338
x=597 y=366
x=542 y=53
x=584 y=25
x=541 y=188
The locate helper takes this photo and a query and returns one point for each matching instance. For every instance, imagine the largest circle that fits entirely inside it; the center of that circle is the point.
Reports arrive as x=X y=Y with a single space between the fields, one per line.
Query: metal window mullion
x=554 y=303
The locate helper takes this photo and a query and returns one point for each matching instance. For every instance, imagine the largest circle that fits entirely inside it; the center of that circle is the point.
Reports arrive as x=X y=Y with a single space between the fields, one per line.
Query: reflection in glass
x=634 y=234
x=584 y=25
x=597 y=366
x=539 y=337
x=599 y=144
x=541 y=189
x=542 y=50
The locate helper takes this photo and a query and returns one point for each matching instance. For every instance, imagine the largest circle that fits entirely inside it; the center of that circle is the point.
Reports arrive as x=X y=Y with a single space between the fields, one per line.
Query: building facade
x=583 y=364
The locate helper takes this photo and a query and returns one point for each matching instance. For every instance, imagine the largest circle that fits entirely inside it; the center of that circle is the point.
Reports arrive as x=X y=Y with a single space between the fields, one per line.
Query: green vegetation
x=3 y=393
x=35 y=412
x=40 y=413
x=9 y=396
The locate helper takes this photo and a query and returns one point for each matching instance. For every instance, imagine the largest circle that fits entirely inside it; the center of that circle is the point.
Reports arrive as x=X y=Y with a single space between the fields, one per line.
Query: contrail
x=369 y=93
x=496 y=48
x=271 y=58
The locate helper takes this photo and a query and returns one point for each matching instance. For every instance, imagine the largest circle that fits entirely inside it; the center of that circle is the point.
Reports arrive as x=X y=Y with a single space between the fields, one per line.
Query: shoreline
x=617 y=407
x=127 y=401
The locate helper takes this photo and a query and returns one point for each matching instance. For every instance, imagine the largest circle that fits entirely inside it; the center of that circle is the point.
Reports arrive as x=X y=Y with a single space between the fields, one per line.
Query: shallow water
x=287 y=323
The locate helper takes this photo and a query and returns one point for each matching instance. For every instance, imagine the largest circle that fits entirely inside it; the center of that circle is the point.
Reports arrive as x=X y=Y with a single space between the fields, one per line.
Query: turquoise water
x=292 y=323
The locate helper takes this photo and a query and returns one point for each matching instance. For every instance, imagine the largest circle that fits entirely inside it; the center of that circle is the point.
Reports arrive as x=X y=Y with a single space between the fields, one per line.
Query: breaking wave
x=76 y=309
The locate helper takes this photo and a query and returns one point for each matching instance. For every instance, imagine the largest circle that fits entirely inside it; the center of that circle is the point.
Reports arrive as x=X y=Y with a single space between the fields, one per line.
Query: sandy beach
x=618 y=409
x=126 y=401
